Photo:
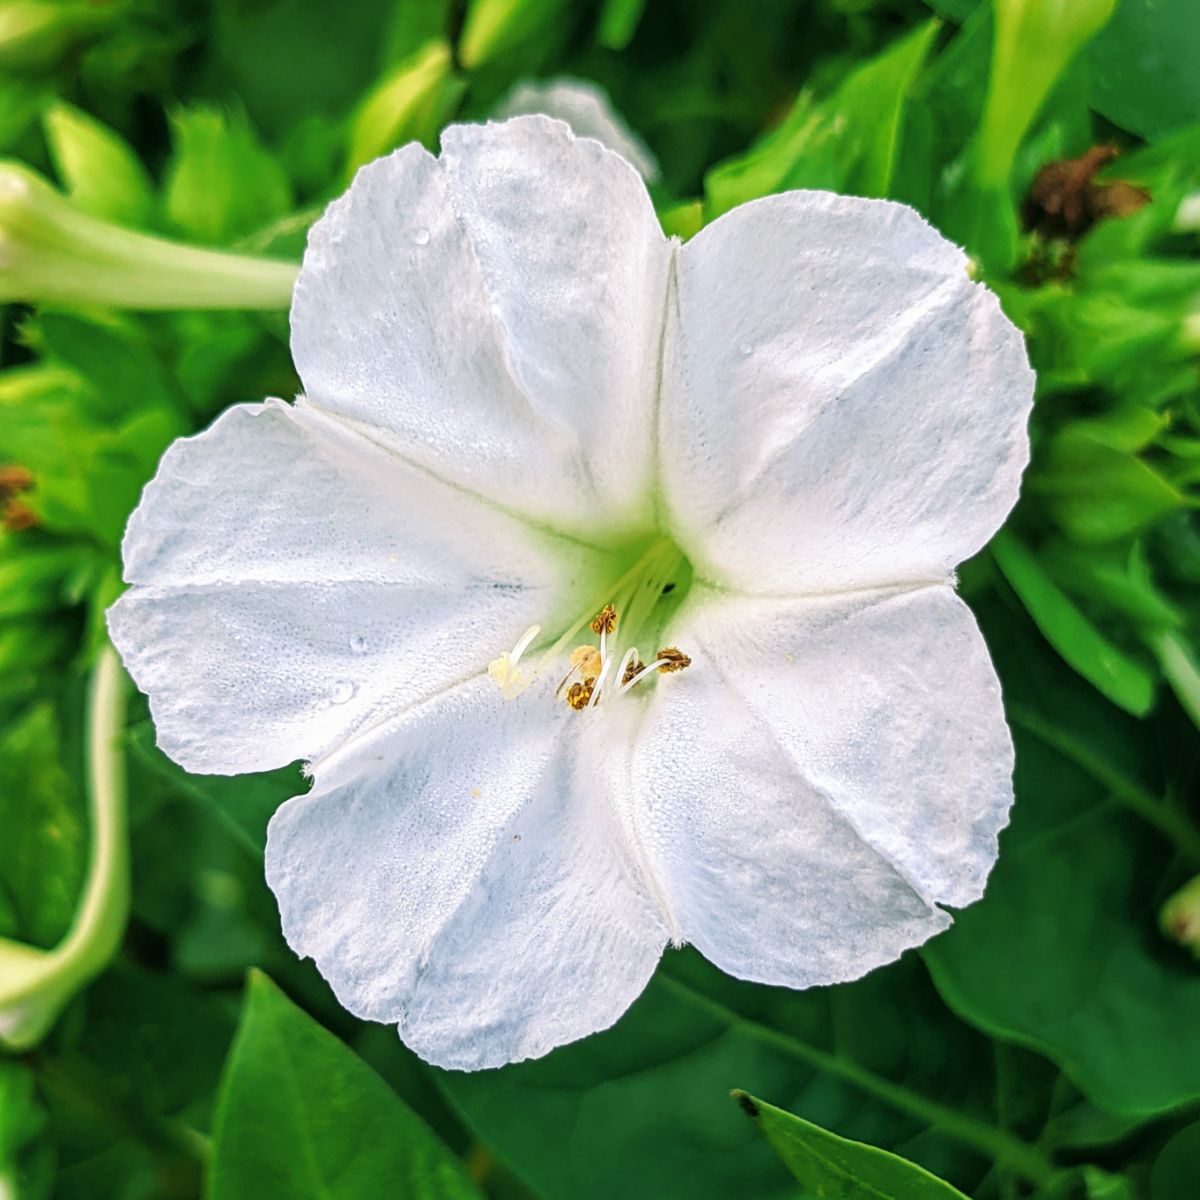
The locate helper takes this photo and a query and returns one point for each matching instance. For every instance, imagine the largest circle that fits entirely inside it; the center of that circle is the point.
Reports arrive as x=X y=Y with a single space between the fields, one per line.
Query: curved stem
x=1002 y=1147
x=36 y=984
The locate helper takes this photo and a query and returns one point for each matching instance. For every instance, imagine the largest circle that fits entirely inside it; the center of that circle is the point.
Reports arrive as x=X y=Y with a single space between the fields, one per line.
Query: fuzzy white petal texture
x=467 y=874
x=587 y=110
x=825 y=773
x=842 y=407
x=294 y=583
x=494 y=315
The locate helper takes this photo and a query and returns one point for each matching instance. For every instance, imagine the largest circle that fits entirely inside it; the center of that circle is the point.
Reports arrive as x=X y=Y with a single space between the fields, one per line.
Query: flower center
x=635 y=608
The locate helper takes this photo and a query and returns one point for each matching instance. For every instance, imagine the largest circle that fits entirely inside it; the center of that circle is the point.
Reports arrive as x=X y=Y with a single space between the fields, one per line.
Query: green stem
x=1165 y=817
x=1002 y=1147
x=36 y=984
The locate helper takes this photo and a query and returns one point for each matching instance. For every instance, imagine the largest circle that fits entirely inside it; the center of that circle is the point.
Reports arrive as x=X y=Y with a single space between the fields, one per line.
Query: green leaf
x=286 y=60
x=300 y=1115
x=33 y=580
x=849 y=142
x=157 y=1039
x=1144 y=66
x=1063 y=954
x=1181 y=668
x=1034 y=42
x=1104 y=1185
x=1128 y=427
x=638 y=1108
x=122 y=372
x=31 y=648
x=97 y=167
x=1110 y=580
x=43 y=850
x=243 y=804
x=1097 y=493
x=1118 y=675
x=1174 y=1174
x=220 y=182
x=1142 y=62
x=837 y=1168
x=24 y=1168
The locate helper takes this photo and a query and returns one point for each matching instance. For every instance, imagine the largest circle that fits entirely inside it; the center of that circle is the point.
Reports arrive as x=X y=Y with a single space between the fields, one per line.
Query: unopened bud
x=1180 y=917
x=97 y=167
x=34 y=34
x=407 y=105
x=50 y=252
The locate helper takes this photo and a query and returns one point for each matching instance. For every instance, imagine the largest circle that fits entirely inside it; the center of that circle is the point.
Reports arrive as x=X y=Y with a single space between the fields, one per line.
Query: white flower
x=522 y=403
x=587 y=110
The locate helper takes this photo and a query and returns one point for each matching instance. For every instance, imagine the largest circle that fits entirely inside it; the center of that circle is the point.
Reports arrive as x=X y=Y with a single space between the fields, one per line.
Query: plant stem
x=1002 y=1147
x=1165 y=817
x=36 y=984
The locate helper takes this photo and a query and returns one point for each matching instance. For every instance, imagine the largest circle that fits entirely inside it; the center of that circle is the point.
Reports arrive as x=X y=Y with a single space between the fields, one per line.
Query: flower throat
x=635 y=608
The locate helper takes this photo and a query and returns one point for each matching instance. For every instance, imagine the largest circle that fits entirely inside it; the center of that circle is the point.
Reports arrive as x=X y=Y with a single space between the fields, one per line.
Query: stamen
x=586 y=660
x=631 y=664
x=594 y=698
x=594 y=671
x=669 y=659
x=503 y=670
x=672 y=659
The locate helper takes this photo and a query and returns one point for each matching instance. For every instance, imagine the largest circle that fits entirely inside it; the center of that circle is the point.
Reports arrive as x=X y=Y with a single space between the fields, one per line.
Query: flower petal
x=466 y=874
x=824 y=772
x=495 y=316
x=832 y=363
x=587 y=109
x=294 y=583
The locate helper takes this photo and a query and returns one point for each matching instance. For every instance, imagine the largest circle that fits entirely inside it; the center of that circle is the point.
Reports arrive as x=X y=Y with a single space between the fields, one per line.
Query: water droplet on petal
x=746 y=349
x=342 y=691
x=358 y=643
x=421 y=237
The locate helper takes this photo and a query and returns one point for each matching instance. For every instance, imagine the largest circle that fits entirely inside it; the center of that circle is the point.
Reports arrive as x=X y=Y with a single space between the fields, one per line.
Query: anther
x=633 y=666
x=605 y=621
x=578 y=694
x=503 y=670
x=586 y=660
x=671 y=659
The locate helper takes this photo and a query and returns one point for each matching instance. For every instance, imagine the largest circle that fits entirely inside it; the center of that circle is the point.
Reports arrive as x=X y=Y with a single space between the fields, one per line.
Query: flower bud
x=35 y=33
x=406 y=105
x=50 y=252
x=100 y=171
x=496 y=29
x=1180 y=917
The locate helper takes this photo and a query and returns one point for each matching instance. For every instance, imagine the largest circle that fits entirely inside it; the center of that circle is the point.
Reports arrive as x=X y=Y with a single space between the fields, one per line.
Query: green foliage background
x=1048 y=1044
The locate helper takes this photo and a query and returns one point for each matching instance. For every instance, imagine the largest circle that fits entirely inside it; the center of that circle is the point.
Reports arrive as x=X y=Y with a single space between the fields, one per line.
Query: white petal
x=843 y=408
x=495 y=316
x=467 y=875
x=823 y=774
x=294 y=583
x=587 y=110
